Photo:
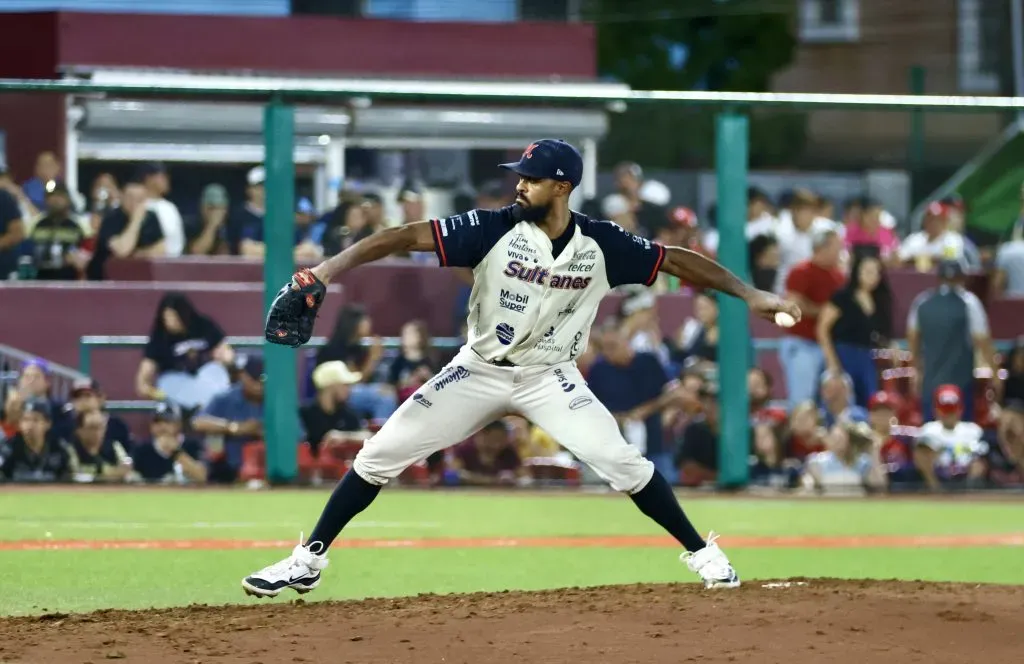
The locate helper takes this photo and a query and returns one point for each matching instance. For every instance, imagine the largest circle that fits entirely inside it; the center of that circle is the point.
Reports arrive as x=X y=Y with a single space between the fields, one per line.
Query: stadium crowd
x=855 y=411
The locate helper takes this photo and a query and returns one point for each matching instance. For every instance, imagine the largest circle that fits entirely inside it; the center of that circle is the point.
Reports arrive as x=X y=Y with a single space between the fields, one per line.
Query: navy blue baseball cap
x=549 y=159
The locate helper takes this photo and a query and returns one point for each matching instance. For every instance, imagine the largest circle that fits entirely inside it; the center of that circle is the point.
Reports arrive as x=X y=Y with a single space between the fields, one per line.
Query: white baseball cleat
x=711 y=564
x=300 y=571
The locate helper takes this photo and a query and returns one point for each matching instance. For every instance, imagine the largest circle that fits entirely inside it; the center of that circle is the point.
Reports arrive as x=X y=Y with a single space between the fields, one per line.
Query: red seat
x=254 y=462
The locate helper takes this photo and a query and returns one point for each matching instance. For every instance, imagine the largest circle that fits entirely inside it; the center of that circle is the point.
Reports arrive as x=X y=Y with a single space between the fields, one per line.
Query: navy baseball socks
x=351 y=496
x=657 y=501
x=301 y=570
x=706 y=559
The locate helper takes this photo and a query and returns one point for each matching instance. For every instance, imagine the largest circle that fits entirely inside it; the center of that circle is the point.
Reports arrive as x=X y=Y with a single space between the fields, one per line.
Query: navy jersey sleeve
x=463 y=240
x=628 y=258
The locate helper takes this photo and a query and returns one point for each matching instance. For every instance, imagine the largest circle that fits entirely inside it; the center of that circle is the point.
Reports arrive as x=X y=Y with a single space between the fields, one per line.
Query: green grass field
x=37 y=581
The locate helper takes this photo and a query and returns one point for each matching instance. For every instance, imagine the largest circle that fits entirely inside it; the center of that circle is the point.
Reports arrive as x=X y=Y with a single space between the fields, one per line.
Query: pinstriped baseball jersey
x=534 y=299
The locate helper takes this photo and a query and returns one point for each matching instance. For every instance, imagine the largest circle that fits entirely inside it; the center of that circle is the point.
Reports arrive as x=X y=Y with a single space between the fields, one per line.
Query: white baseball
x=782 y=319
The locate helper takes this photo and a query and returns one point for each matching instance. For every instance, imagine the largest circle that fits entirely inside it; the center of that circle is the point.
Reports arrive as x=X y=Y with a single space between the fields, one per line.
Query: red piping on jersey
x=657 y=264
x=438 y=245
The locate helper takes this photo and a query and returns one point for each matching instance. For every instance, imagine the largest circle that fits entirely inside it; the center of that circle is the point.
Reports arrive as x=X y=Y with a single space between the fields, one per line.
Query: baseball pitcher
x=540 y=270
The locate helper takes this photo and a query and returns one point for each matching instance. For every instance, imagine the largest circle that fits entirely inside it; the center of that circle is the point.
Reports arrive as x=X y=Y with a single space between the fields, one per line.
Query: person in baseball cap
x=549 y=169
x=948 y=404
x=549 y=159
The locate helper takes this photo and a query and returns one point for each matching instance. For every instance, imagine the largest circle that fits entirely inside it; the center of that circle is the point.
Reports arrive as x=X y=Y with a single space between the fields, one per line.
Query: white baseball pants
x=470 y=393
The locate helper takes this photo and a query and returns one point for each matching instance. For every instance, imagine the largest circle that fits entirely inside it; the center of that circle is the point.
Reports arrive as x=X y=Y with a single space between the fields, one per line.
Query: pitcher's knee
x=627 y=473
x=374 y=464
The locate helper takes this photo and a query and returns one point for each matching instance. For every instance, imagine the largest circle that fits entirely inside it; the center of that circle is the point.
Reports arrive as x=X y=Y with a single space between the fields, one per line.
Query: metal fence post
x=731 y=145
x=84 y=357
x=281 y=403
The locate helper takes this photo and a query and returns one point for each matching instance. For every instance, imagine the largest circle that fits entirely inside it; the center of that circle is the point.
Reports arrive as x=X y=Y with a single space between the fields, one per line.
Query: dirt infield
x=809 y=620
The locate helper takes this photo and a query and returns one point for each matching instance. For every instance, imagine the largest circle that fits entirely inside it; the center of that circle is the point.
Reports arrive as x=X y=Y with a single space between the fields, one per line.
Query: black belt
x=497 y=363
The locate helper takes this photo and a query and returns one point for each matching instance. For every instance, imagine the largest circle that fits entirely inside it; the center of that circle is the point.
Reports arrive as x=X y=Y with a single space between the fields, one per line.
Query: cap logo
x=559 y=172
x=528 y=152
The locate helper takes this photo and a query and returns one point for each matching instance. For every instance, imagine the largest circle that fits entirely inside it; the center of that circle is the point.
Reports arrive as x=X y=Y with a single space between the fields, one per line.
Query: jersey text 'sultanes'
x=534 y=300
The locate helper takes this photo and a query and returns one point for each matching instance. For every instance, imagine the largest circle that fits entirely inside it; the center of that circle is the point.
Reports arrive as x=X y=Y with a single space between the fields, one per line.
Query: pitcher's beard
x=532 y=213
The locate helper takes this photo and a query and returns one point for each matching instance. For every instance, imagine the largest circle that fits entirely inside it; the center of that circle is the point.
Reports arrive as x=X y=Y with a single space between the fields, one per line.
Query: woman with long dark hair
x=855 y=321
x=415 y=363
x=374 y=399
x=186 y=359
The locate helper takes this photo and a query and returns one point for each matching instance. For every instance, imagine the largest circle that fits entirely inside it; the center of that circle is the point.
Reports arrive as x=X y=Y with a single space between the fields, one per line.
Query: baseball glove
x=294 y=310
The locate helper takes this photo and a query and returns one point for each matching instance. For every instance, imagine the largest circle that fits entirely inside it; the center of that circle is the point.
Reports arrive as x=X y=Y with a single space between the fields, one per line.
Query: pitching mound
x=807 y=620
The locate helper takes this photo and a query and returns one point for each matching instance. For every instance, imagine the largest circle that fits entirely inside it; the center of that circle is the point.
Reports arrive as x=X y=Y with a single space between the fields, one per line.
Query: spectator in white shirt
x=1008 y=278
x=158 y=184
x=935 y=242
x=759 y=220
x=796 y=235
x=949 y=449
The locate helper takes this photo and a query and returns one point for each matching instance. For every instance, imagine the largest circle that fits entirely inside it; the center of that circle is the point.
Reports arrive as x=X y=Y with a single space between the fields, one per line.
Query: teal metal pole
x=84 y=357
x=734 y=344
x=281 y=399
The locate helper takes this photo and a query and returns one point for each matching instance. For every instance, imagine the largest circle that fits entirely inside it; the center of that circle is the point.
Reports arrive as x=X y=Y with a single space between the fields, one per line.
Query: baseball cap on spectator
x=682 y=216
x=304 y=206
x=948 y=399
x=954 y=201
x=335 y=372
x=936 y=210
x=409 y=194
x=655 y=192
x=256 y=176
x=884 y=399
x=43 y=365
x=149 y=168
x=614 y=205
x=821 y=236
x=214 y=195
x=951 y=269
x=166 y=412
x=631 y=168
x=549 y=159
x=41 y=406
x=84 y=386
x=253 y=366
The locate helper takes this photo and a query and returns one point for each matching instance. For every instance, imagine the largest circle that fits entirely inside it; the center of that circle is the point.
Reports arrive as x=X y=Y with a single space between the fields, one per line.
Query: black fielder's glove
x=294 y=310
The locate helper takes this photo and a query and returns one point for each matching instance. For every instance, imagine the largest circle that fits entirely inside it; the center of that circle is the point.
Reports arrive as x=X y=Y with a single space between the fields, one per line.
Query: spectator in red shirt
x=895 y=452
x=806 y=435
x=810 y=284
